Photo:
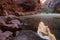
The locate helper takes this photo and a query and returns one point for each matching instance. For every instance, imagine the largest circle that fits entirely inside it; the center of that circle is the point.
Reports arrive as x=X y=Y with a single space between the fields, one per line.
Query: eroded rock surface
x=18 y=7
x=10 y=23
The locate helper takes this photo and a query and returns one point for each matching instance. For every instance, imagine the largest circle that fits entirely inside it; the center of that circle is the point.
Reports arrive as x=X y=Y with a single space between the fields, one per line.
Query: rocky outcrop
x=10 y=23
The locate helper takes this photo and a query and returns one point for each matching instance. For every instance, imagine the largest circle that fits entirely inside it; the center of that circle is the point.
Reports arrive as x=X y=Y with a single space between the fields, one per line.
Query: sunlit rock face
x=42 y=28
x=46 y=2
x=49 y=4
x=44 y=32
x=50 y=27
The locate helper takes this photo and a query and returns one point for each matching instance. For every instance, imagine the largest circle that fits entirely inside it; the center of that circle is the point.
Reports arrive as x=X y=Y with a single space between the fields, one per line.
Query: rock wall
x=18 y=7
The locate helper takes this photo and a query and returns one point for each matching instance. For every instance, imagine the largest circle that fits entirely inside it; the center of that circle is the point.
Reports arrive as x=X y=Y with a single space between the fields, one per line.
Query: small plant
x=47 y=10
